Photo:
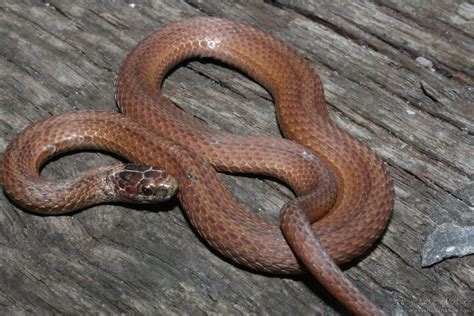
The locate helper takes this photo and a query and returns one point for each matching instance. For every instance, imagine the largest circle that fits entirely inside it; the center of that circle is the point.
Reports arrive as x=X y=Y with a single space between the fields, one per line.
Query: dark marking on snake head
x=141 y=184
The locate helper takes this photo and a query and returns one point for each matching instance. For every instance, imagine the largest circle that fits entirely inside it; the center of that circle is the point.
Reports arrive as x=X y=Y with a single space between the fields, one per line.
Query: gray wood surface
x=59 y=56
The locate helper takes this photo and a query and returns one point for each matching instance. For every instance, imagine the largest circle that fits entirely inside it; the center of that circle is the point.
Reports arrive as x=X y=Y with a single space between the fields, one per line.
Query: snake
x=343 y=192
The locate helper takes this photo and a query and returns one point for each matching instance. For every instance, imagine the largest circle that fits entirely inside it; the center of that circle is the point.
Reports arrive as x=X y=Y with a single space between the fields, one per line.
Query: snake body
x=344 y=193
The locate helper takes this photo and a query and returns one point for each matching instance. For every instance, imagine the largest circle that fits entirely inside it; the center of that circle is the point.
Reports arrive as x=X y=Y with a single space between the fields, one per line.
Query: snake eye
x=141 y=184
x=147 y=191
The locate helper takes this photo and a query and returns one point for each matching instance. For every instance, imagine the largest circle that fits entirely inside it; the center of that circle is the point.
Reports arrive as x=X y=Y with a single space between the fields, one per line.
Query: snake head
x=141 y=184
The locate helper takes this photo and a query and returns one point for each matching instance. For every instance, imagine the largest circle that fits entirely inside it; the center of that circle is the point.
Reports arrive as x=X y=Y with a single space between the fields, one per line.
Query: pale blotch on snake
x=344 y=193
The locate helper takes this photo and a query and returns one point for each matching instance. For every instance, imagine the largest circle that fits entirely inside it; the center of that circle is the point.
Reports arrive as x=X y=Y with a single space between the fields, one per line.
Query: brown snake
x=343 y=189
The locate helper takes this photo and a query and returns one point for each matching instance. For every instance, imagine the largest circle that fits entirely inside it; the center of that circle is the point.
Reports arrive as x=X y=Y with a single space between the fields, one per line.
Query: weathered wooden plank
x=401 y=41
x=395 y=34
x=445 y=16
x=62 y=56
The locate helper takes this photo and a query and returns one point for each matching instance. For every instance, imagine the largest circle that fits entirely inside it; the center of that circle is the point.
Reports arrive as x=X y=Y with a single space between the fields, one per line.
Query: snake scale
x=344 y=193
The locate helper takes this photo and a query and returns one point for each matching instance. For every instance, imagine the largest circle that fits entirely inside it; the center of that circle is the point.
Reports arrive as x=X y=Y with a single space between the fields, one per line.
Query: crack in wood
x=51 y=5
x=391 y=7
x=445 y=69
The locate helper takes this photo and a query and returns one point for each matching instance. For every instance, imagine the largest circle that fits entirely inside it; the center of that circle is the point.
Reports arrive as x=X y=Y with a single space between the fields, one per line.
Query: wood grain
x=61 y=56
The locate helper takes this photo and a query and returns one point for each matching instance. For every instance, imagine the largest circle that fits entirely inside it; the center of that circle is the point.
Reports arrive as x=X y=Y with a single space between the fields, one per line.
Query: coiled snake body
x=339 y=182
